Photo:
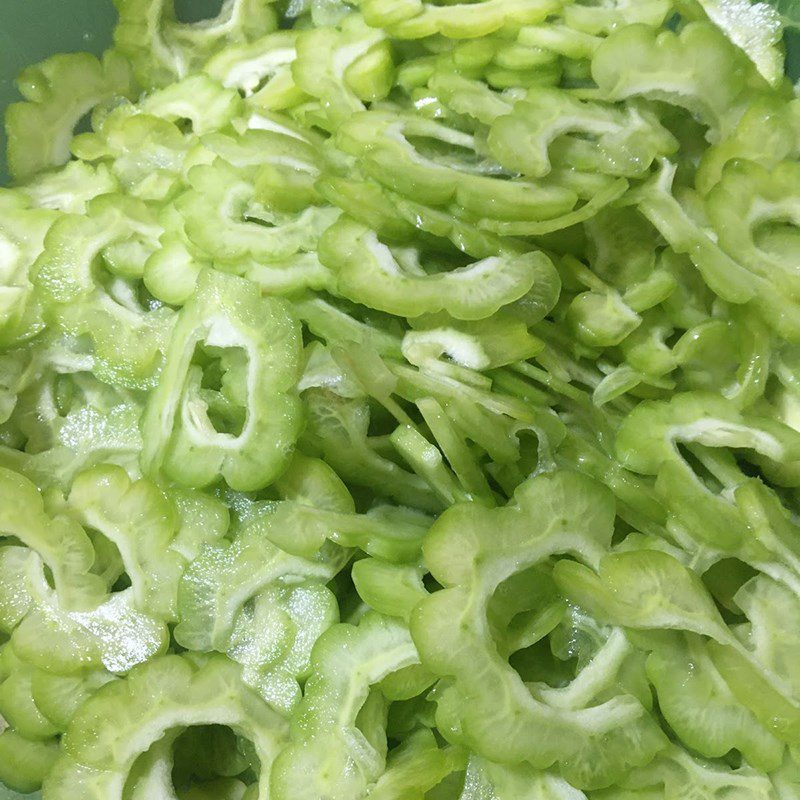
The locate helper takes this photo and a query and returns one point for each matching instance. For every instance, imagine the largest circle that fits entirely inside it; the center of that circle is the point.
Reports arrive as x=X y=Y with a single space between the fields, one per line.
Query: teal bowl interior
x=31 y=30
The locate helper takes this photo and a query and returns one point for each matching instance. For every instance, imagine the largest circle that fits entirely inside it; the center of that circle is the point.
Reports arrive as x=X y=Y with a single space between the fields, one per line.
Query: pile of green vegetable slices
x=401 y=401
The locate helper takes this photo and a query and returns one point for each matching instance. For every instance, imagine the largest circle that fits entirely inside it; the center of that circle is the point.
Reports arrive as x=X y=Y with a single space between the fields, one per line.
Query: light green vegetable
x=127 y=335
x=141 y=522
x=698 y=69
x=162 y=48
x=58 y=93
x=342 y=67
x=414 y=20
x=368 y=272
x=381 y=141
x=465 y=556
x=755 y=28
x=329 y=755
x=22 y=233
x=254 y=406
x=624 y=143
x=400 y=400
x=172 y=691
x=260 y=69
